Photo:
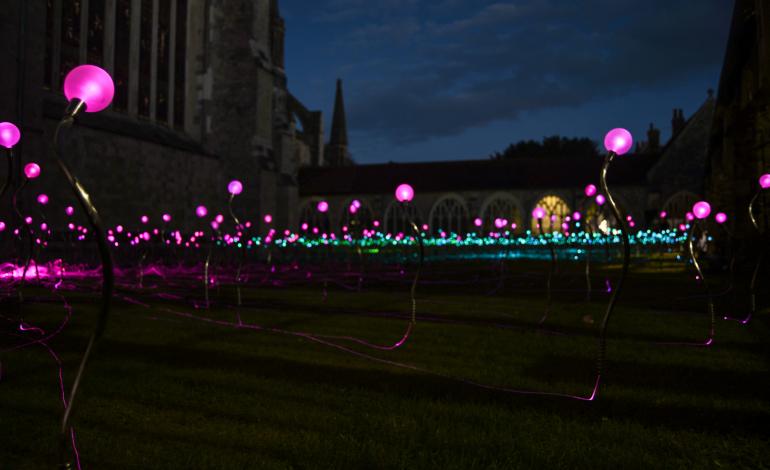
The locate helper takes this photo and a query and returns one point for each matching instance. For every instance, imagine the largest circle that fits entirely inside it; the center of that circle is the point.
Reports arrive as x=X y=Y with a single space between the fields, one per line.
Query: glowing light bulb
x=721 y=217
x=219 y=218
x=600 y=199
x=478 y=222
x=268 y=218
x=42 y=199
x=764 y=181
x=576 y=216
x=2 y=226
x=235 y=187
x=663 y=214
x=201 y=211
x=89 y=84
x=322 y=206
x=538 y=213
x=32 y=170
x=144 y=219
x=166 y=218
x=9 y=134
x=404 y=193
x=701 y=209
x=69 y=210
x=689 y=216
x=618 y=140
x=590 y=190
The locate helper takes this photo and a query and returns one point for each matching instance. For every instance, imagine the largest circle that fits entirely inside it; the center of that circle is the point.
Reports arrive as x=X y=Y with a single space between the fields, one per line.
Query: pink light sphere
x=701 y=209
x=478 y=222
x=9 y=134
x=166 y=218
x=219 y=218
x=322 y=206
x=663 y=214
x=235 y=187
x=69 y=210
x=600 y=199
x=538 y=213
x=32 y=170
x=144 y=219
x=268 y=218
x=356 y=203
x=764 y=181
x=618 y=140
x=2 y=226
x=689 y=216
x=721 y=217
x=201 y=211
x=42 y=199
x=404 y=193
x=577 y=216
x=590 y=190
x=89 y=84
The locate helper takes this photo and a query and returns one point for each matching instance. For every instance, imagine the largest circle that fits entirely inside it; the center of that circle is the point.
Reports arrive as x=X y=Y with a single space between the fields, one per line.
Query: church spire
x=339 y=135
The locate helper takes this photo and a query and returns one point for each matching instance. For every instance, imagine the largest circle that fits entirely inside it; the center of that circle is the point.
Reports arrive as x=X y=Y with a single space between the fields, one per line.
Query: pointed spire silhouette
x=339 y=135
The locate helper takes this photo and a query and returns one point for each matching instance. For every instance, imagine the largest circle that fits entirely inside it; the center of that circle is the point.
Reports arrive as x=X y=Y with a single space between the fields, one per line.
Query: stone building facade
x=201 y=98
x=739 y=145
x=451 y=195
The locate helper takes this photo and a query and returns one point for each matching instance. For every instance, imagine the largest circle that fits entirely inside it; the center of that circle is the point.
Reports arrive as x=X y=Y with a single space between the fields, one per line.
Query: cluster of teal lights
x=508 y=240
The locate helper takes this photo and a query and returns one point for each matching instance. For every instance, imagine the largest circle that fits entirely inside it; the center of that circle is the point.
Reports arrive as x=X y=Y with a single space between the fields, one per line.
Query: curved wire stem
x=108 y=276
x=760 y=258
x=8 y=176
x=30 y=236
x=243 y=251
x=421 y=252
x=699 y=271
x=551 y=270
x=602 y=351
x=751 y=210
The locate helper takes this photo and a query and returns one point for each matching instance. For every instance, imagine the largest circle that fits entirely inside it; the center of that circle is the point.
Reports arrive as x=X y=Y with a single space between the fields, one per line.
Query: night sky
x=460 y=79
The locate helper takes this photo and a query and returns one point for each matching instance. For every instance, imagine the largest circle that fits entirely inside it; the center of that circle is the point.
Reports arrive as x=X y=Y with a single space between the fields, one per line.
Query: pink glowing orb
x=425 y=227
x=721 y=217
x=478 y=222
x=322 y=206
x=219 y=218
x=32 y=170
x=689 y=216
x=42 y=199
x=201 y=211
x=600 y=199
x=2 y=226
x=89 y=84
x=404 y=193
x=590 y=190
x=538 y=213
x=304 y=226
x=701 y=209
x=268 y=218
x=215 y=225
x=618 y=140
x=500 y=223
x=119 y=229
x=166 y=217
x=69 y=210
x=144 y=219
x=376 y=223
x=356 y=203
x=576 y=216
x=9 y=134
x=28 y=220
x=235 y=187
x=764 y=181
x=663 y=214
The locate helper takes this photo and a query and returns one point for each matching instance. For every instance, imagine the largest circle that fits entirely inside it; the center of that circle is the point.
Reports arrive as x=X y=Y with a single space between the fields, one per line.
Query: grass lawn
x=168 y=392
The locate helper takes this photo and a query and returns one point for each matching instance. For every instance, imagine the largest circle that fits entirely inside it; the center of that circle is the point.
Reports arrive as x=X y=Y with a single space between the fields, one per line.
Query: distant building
x=739 y=145
x=201 y=98
x=451 y=195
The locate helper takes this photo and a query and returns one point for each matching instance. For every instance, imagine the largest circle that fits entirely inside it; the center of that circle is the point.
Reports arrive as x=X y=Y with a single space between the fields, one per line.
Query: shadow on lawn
x=420 y=386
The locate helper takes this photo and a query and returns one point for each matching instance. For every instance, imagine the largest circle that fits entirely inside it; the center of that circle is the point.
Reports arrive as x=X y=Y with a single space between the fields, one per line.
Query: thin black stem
x=421 y=252
x=9 y=175
x=108 y=275
x=602 y=353
x=696 y=265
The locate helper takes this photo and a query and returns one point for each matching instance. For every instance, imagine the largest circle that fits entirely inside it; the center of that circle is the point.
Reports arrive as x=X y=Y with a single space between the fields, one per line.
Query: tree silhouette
x=554 y=146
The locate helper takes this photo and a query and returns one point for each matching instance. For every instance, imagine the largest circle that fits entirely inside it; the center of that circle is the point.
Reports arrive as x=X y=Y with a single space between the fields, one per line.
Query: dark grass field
x=168 y=392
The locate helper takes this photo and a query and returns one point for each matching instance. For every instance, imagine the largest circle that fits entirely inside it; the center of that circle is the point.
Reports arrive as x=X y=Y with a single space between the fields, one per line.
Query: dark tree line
x=554 y=146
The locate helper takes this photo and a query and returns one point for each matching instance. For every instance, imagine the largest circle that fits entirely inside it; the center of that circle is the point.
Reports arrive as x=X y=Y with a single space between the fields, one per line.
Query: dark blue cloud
x=417 y=70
